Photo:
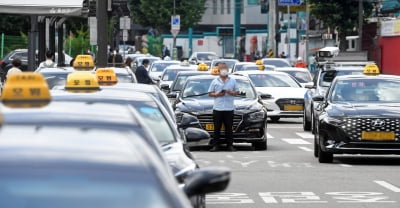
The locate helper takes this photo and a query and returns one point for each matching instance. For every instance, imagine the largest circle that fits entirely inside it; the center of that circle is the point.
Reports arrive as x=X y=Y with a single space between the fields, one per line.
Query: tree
x=340 y=14
x=157 y=13
x=14 y=24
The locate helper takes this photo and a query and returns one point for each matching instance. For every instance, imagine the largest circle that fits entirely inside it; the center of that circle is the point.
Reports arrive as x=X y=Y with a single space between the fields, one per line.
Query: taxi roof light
x=371 y=69
x=106 y=76
x=83 y=63
x=259 y=62
x=215 y=70
x=26 y=89
x=82 y=80
x=202 y=67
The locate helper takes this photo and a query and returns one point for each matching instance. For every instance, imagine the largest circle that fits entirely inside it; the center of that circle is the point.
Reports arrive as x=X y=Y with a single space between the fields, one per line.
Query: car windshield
x=206 y=56
x=156 y=120
x=367 y=90
x=170 y=74
x=125 y=78
x=159 y=67
x=229 y=63
x=198 y=89
x=300 y=76
x=248 y=68
x=273 y=80
x=277 y=63
x=328 y=76
x=55 y=79
x=179 y=82
x=56 y=187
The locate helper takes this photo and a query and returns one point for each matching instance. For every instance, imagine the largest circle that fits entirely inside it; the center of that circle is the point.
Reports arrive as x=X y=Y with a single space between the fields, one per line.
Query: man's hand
x=231 y=92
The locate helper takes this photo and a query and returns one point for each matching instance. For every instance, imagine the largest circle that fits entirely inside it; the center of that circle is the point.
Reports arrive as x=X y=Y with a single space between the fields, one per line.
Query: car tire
x=274 y=119
x=261 y=145
x=200 y=201
x=324 y=157
x=306 y=123
x=315 y=145
x=312 y=123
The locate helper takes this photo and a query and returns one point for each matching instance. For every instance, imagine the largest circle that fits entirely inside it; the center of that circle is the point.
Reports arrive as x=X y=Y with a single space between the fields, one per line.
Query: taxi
x=250 y=116
x=33 y=101
x=170 y=72
x=359 y=115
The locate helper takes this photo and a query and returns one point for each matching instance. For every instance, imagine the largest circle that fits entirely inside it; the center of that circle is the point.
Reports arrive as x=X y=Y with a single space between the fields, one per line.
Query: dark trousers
x=226 y=118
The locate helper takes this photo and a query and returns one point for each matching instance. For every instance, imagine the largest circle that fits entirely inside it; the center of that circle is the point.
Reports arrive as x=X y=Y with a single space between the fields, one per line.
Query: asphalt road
x=288 y=175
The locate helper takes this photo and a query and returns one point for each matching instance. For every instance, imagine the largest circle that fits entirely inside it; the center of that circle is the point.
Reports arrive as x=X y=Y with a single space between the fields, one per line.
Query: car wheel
x=200 y=201
x=315 y=145
x=324 y=157
x=312 y=123
x=306 y=123
x=275 y=119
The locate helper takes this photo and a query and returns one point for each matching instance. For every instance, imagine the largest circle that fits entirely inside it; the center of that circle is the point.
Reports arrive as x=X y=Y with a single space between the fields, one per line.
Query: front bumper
x=289 y=108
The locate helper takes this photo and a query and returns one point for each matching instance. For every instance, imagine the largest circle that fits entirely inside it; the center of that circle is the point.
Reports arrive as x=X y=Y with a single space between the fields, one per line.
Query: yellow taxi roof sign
x=82 y=80
x=26 y=89
x=215 y=70
x=259 y=62
x=202 y=67
x=371 y=69
x=83 y=63
x=106 y=76
x=261 y=67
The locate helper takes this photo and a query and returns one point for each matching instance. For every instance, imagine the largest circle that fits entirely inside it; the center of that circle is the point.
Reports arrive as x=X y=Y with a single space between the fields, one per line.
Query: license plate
x=378 y=135
x=292 y=107
x=210 y=127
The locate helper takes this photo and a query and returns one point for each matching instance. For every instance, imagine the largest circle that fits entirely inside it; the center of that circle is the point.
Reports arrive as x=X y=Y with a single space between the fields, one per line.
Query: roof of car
x=164 y=61
x=362 y=76
x=183 y=73
x=73 y=114
x=29 y=143
x=55 y=70
x=291 y=69
x=213 y=77
x=178 y=67
x=257 y=72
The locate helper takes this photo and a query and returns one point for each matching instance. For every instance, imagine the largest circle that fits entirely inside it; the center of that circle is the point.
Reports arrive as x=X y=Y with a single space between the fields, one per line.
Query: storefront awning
x=43 y=7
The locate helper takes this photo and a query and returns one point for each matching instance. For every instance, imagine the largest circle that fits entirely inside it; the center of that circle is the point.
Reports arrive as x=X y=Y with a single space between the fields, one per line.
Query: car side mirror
x=207 y=180
x=164 y=87
x=187 y=121
x=318 y=98
x=309 y=86
x=172 y=95
x=265 y=96
x=196 y=134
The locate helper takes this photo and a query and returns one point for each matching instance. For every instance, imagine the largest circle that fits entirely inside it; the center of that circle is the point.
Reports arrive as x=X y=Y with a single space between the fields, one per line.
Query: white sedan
x=302 y=75
x=287 y=95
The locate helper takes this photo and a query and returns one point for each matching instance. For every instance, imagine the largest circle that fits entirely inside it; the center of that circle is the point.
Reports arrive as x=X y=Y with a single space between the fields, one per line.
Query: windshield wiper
x=206 y=93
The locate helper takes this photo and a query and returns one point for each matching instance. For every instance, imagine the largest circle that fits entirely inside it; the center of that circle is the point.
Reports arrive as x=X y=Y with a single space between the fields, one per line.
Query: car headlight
x=257 y=115
x=333 y=121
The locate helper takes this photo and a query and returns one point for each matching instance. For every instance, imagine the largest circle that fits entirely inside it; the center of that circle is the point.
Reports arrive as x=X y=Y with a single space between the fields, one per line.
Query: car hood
x=206 y=105
x=365 y=110
x=283 y=92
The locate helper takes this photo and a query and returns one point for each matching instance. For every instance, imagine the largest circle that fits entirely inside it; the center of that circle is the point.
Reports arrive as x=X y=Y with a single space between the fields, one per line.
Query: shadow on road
x=379 y=160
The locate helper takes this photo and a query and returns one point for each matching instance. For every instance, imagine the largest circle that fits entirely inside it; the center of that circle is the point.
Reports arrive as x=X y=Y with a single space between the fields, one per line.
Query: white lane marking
x=346 y=165
x=228 y=198
x=296 y=141
x=244 y=164
x=229 y=156
x=388 y=186
x=284 y=127
x=306 y=149
x=305 y=135
x=269 y=136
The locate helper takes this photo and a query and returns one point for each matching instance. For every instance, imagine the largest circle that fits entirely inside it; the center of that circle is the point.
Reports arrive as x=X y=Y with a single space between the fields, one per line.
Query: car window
x=371 y=90
x=125 y=78
x=159 y=67
x=179 y=82
x=277 y=63
x=79 y=188
x=328 y=76
x=300 y=76
x=246 y=90
x=55 y=79
x=272 y=80
x=156 y=120
x=21 y=55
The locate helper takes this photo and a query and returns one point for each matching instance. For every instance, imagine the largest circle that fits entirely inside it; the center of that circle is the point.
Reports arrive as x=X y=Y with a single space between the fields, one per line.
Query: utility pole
x=102 y=22
x=272 y=21
x=236 y=27
x=307 y=31
x=360 y=23
x=174 y=36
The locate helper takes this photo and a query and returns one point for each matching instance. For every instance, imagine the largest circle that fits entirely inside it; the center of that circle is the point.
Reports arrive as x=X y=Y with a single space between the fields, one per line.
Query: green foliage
x=13 y=24
x=155 y=45
x=340 y=14
x=78 y=43
x=157 y=13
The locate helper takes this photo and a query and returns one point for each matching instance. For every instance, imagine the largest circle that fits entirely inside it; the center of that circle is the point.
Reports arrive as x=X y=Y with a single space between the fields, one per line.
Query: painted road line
x=346 y=165
x=305 y=135
x=296 y=141
x=388 y=186
x=284 y=127
x=306 y=149
x=269 y=136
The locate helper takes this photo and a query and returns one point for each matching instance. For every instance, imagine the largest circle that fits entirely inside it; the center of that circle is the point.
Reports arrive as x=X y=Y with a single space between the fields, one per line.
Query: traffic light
x=264 y=6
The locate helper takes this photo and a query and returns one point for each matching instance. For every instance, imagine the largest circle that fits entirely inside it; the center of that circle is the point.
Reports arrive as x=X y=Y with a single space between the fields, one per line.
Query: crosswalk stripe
x=306 y=149
x=305 y=135
x=388 y=186
x=296 y=141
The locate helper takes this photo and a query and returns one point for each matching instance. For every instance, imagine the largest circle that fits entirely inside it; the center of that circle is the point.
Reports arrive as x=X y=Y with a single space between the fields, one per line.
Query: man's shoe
x=231 y=149
x=215 y=149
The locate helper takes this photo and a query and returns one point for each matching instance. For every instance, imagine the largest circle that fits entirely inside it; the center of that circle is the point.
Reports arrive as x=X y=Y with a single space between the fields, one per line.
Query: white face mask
x=223 y=72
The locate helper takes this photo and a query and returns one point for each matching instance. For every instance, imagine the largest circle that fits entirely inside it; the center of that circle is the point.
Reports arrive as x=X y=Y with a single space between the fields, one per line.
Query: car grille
x=288 y=101
x=354 y=126
x=208 y=119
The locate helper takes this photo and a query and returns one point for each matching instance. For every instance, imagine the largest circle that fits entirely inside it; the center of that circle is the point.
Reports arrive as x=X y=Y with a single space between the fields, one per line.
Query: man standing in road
x=223 y=89
x=142 y=75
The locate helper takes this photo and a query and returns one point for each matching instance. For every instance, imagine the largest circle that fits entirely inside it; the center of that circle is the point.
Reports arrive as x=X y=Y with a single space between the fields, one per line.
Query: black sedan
x=250 y=116
x=360 y=114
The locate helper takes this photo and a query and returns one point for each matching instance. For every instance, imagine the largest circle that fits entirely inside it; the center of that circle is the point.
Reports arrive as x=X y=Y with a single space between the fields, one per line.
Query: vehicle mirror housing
x=318 y=98
x=196 y=134
x=172 y=95
x=164 y=87
x=207 y=180
x=188 y=121
x=309 y=86
x=265 y=96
